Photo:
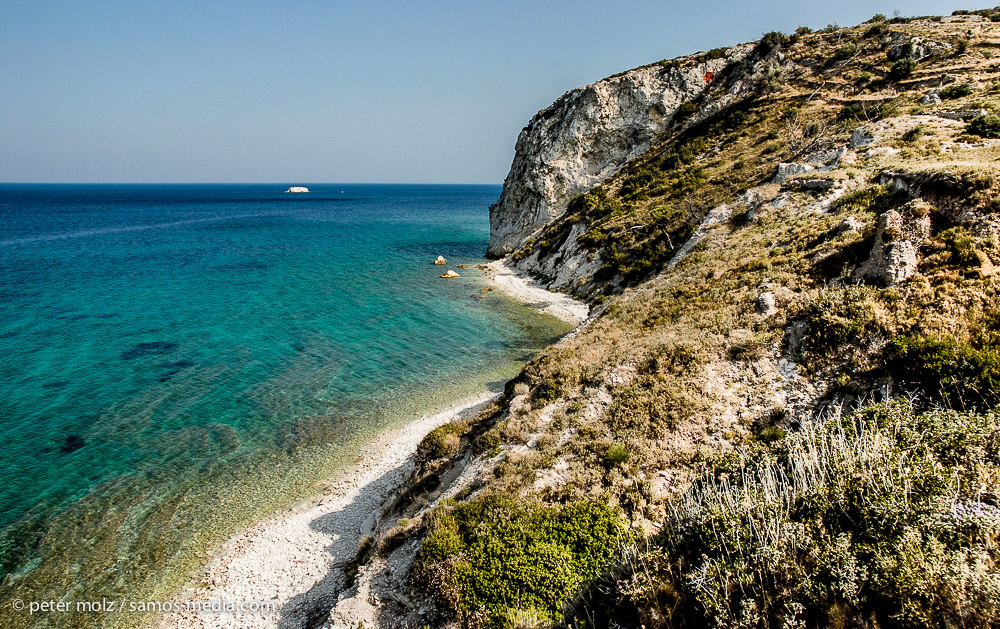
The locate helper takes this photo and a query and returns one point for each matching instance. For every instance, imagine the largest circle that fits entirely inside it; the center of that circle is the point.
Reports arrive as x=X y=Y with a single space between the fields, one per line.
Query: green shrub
x=591 y=238
x=877 y=519
x=845 y=51
x=850 y=316
x=493 y=555
x=771 y=41
x=769 y=434
x=616 y=454
x=685 y=111
x=875 y=199
x=960 y=245
x=876 y=30
x=958 y=374
x=441 y=442
x=913 y=133
x=717 y=53
x=868 y=111
x=987 y=126
x=903 y=69
x=649 y=407
x=596 y=204
x=955 y=91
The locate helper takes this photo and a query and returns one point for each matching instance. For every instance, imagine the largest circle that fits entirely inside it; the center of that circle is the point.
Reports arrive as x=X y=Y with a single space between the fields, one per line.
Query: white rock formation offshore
x=297 y=189
x=586 y=136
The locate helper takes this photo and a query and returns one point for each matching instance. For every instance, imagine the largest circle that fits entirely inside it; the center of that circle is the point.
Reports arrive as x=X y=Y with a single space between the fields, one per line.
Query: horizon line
x=243 y=183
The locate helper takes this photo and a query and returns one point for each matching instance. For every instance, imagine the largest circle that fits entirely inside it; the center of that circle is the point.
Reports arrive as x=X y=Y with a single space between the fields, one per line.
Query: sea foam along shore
x=293 y=561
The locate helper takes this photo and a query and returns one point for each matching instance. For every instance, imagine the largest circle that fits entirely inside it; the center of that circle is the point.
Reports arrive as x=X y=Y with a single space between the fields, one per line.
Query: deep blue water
x=158 y=339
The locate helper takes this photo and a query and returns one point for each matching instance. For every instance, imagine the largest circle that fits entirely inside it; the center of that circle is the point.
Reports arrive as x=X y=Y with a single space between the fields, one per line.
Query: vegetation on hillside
x=695 y=458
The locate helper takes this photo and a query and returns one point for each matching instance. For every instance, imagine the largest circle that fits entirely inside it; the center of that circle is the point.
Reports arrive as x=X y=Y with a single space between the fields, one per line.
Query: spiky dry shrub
x=883 y=518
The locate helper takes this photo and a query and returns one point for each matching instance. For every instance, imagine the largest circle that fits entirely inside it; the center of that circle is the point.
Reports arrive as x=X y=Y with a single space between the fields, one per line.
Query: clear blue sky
x=330 y=91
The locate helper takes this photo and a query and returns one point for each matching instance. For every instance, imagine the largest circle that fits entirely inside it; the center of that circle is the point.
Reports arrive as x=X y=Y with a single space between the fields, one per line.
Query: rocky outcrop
x=587 y=135
x=902 y=45
x=895 y=254
x=566 y=267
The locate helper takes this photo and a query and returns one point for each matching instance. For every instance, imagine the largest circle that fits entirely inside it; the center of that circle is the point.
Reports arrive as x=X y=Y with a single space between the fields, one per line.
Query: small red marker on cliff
x=709 y=76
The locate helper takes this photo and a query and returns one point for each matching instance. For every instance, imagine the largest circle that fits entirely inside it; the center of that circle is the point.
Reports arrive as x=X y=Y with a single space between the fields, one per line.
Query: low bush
x=845 y=51
x=875 y=199
x=960 y=246
x=913 y=133
x=987 y=126
x=902 y=69
x=493 y=556
x=771 y=41
x=849 y=316
x=441 y=442
x=958 y=374
x=616 y=454
x=955 y=91
x=685 y=111
x=595 y=205
x=868 y=111
x=881 y=519
x=649 y=407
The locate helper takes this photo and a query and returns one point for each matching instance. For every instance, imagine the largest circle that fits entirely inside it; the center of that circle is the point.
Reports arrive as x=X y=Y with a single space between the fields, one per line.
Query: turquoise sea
x=178 y=361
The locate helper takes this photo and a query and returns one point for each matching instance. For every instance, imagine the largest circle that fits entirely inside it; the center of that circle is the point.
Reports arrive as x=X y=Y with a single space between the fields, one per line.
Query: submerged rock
x=152 y=348
x=73 y=442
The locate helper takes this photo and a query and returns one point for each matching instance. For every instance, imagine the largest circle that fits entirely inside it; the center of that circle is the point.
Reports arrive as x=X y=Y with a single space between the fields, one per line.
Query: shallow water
x=181 y=360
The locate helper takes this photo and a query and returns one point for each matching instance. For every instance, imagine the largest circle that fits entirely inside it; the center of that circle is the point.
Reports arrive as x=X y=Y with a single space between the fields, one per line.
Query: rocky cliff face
x=586 y=136
x=812 y=239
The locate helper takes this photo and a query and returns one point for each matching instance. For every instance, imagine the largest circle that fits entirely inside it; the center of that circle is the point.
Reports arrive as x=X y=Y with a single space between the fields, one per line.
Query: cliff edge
x=784 y=409
x=587 y=135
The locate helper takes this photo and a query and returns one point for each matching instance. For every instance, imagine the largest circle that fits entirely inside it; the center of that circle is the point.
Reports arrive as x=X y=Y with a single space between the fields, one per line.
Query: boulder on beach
x=440 y=260
x=450 y=274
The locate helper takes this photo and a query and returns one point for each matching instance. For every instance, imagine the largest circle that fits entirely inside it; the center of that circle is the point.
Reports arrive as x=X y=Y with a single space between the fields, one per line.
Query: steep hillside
x=781 y=412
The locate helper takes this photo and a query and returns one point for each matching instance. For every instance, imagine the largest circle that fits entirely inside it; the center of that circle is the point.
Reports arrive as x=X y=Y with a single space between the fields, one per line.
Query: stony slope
x=781 y=413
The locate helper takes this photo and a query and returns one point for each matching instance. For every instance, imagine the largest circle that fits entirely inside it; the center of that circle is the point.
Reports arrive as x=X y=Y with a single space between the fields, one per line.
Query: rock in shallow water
x=151 y=348
x=73 y=442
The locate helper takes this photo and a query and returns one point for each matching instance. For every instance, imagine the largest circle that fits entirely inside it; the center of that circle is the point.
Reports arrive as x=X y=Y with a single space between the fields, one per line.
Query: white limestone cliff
x=586 y=136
